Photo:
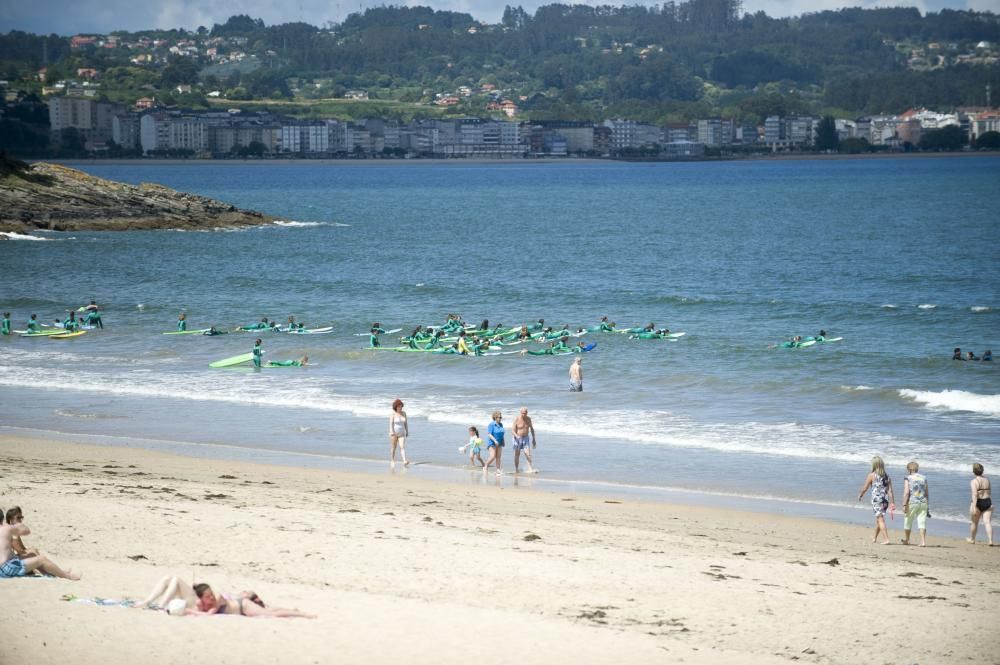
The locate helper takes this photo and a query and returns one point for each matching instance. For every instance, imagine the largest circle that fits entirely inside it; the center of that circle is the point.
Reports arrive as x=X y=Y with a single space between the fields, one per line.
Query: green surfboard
x=235 y=360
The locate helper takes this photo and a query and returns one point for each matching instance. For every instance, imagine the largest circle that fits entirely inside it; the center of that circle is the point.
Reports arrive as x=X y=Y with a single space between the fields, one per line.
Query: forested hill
x=665 y=62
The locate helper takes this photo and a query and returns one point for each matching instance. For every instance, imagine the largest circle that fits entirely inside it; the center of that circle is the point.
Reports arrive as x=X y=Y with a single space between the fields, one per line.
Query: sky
x=68 y=17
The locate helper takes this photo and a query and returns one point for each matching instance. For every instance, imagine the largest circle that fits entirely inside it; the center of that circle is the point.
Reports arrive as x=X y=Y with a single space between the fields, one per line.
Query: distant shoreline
x=523 y=161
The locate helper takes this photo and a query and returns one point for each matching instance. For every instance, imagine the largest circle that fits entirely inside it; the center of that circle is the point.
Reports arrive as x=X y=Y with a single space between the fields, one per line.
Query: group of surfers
x=90 y=316
x=456 y=337
x=263 y=324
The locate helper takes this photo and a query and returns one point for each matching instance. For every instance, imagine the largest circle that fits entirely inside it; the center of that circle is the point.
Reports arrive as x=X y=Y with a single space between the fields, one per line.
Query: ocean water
x=899 y=257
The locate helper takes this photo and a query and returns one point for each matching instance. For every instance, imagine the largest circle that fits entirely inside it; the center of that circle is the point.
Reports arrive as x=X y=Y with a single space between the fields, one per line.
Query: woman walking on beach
x=399 y=429
x=916 y=503
x=495 y=445
x=882 y=499
x=982 y=505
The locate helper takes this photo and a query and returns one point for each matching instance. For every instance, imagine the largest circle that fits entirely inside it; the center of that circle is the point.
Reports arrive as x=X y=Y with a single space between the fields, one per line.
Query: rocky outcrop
x=57 y=198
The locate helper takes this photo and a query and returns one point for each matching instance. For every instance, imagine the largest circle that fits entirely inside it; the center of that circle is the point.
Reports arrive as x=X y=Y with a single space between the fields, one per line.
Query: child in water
x=474 y=446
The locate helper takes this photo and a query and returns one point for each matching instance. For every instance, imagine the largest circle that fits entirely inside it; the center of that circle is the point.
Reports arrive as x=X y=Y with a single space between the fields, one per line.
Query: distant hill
x=664 y=63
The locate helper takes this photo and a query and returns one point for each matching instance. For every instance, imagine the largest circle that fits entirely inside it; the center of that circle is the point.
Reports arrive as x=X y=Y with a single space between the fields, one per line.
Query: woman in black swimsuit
x=982 y=505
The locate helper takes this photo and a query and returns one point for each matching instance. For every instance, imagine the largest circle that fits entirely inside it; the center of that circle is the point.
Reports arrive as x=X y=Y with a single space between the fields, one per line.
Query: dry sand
x=400 y=569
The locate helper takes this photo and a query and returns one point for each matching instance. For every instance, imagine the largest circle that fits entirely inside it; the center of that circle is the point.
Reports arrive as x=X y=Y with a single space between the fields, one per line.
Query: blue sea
x=897 y=256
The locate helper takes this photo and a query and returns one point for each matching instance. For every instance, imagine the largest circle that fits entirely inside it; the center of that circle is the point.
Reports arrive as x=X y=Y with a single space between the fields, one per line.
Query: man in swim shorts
x=522 y=428
x=576 y=375
x=13 y=566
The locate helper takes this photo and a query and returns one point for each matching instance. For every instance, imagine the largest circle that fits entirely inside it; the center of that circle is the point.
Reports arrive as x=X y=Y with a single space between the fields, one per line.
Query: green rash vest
x=182 y=325
x=373 y=341
x=5 y=326
x=71 y=325
x=604 y=327
x=33 y=325
x=257 y=351
x=284 y=363
x=648 y=335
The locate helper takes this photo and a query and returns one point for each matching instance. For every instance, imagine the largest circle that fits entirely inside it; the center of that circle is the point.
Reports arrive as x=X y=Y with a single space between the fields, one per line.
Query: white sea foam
x=657 y=429
x=340 y=224
x=926 y=306
x=980 y=308
x=955 y=400
x=10 y=235
x=889 y=306
x=298 y=225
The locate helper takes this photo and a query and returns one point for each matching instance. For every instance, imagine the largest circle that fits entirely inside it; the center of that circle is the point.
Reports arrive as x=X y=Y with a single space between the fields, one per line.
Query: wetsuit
x=71 y=325
x=284 y=363
x=257 y=352
x=373 y=339
x=263 y=325
x=33 y=325
x=182 y=325
x=94 y=318
x=5 y=326
x=463 y=346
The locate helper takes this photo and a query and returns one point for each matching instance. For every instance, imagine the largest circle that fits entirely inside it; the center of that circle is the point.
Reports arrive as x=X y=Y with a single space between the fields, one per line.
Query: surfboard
x=68 y=335
x=40 y=333
x=235 y=360
x=311 y=331
x=201 y=331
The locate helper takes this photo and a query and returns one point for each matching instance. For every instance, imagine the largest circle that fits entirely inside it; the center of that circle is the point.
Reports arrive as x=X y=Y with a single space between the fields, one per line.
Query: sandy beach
x=401 y=568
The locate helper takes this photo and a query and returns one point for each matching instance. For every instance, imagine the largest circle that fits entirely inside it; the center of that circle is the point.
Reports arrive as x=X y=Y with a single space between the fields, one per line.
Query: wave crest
x=955 y=400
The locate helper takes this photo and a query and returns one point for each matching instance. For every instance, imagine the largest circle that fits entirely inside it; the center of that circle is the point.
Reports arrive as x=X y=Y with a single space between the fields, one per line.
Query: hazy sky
x=81 y=16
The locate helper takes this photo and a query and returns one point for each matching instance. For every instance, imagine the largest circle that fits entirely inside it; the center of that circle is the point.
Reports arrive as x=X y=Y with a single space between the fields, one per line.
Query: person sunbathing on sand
x=202 y=601
x=13 y=566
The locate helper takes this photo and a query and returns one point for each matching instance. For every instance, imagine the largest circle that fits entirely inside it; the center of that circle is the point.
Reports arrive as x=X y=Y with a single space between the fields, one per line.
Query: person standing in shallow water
x=982 y=505
x=399 y=430
x=576 y=375
x=882 y=499
x=495 y=443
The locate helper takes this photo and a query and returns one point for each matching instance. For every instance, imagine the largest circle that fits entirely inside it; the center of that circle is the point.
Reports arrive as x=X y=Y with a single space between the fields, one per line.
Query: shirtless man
x=13 y=566
x=523 y=427
x=15 y=516
x=576 y=375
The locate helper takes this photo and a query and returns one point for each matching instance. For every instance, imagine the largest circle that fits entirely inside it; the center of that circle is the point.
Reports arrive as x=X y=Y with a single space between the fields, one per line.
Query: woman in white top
x=399 y=429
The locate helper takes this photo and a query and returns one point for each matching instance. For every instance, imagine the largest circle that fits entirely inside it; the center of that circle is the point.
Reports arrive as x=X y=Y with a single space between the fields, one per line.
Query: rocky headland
x=51 y=197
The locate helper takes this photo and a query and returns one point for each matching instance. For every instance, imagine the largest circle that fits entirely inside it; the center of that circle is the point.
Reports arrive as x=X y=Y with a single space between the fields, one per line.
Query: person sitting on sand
x=982 y=505
x=916 y=503
x=882 y=499
x=299 y=362
x=201 y=600
x=14 y=516
x=14 y=566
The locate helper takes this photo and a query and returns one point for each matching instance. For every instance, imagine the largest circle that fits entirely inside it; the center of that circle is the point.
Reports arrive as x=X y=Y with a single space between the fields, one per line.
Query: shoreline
x=520 y=160
x=446 y=567
x=846 y=514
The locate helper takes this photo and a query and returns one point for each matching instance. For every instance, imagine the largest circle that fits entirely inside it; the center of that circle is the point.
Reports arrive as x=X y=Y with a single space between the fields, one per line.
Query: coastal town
x=150 y=130
x=219 y=94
